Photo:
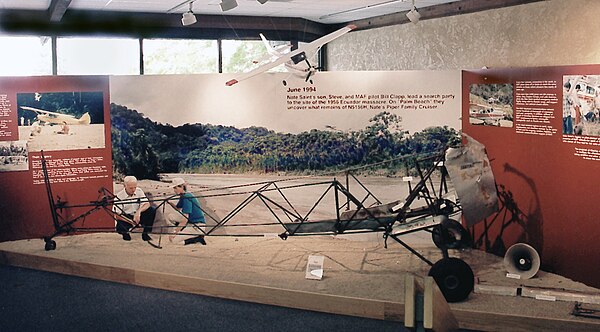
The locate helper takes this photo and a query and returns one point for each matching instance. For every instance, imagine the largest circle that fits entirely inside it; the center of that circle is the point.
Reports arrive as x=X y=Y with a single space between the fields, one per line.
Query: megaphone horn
x=523 y=260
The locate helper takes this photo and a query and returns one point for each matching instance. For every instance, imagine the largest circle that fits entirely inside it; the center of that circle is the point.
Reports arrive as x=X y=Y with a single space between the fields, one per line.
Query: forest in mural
x=146 y=148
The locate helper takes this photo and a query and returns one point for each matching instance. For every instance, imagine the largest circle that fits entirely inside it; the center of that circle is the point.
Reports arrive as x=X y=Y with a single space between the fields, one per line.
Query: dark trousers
x=568 y=125
x=146 y=220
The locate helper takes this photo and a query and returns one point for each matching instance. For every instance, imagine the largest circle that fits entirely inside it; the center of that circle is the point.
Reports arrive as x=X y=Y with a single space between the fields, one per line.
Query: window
x=25 y=56
x=98 y=56
x=30 y=56
x=180 y=56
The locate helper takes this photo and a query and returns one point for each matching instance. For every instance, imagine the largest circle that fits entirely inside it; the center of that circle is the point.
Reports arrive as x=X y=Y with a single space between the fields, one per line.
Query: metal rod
x=409 y=248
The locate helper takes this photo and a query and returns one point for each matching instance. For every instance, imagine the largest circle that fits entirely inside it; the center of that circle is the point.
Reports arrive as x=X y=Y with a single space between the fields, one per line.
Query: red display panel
x=541 y=130
x=67 y=119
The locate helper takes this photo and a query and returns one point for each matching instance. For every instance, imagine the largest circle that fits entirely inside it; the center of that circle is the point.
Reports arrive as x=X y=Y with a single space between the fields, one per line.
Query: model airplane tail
x=268 y=46
x=85 y=119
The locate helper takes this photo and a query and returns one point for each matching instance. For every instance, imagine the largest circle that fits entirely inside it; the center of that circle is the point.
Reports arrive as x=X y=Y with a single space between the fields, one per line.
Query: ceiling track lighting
x=347 y=11
x=228 y=5
x=413 y=15
x=188 y=18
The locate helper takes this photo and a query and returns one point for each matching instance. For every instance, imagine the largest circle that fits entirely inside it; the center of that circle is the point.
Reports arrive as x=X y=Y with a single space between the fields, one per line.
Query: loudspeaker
x=523 y=260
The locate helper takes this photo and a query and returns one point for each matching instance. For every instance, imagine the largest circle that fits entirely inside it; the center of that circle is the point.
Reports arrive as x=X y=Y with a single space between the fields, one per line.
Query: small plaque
x=314 y=268
x=513 y=276
x=545 y=297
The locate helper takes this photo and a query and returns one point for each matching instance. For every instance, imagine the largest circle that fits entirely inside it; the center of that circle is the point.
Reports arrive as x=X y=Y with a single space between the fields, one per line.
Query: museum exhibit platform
x=360 y=277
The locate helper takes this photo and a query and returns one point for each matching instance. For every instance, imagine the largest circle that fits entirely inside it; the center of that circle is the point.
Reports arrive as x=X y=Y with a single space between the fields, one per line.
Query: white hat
x=177 y=182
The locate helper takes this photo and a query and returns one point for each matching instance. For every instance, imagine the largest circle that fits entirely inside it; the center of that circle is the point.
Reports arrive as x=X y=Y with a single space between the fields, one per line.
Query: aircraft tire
x=454 y=234
x=454 y=277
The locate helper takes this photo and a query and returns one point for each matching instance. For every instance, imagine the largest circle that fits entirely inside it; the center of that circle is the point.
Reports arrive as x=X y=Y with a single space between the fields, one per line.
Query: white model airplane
x=295 y=61
x=59 y=118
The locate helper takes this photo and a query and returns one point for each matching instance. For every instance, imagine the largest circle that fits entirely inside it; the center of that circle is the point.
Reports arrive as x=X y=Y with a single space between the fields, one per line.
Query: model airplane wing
x=39 y=111
x=291 y=55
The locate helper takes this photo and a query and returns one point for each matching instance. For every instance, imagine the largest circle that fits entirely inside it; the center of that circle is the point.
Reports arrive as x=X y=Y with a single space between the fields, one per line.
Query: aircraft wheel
x=452 y=233
x=50 y=245
x=454 y=277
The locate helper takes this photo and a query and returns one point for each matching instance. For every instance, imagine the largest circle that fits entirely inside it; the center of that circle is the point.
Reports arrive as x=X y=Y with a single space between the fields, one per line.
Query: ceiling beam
x=158 y=25
x=57 y=9
x=438 y=11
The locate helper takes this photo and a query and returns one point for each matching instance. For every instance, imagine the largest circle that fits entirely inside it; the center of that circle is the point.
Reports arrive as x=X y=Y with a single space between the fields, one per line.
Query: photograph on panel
x=223 y=143
x=491 y=105
x=55 y=121
x=581 y=105
x=13 y=156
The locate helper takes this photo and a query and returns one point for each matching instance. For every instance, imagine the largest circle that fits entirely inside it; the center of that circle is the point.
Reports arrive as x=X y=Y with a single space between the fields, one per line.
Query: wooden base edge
x=343 y=305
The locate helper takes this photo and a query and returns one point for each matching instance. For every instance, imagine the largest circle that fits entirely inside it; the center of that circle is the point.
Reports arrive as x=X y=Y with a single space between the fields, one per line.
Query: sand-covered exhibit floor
x=360 y=277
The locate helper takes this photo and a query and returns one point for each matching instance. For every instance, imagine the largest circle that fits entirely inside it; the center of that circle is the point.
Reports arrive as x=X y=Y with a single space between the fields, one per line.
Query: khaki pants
x=189 y=232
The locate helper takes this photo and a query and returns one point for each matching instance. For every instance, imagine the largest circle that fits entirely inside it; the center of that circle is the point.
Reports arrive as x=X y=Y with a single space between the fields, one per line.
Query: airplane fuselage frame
x=393 y=219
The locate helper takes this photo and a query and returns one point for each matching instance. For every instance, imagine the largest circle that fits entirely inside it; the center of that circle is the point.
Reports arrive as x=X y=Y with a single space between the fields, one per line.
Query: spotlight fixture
x=413 y=15
x=262 y=2
x=228 y=5
x=188 y=17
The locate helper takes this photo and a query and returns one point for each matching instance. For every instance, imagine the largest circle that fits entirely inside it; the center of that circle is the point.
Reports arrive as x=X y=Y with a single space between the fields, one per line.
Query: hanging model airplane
x=295 y=61
x=59 y=118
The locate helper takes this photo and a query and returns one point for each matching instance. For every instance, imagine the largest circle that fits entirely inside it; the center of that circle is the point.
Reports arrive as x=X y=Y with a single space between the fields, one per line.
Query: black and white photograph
x=13 y=156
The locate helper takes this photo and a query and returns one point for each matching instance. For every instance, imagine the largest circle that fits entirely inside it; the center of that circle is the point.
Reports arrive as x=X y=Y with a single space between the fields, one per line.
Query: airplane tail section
x=85 y=119
x=268 y=46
